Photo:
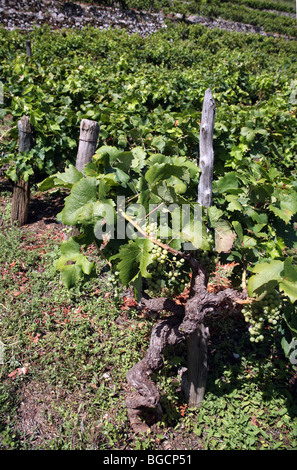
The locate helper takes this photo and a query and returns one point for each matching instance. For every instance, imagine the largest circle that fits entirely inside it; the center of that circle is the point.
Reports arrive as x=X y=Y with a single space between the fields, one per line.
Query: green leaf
x=226 y=183
x=70 y=275
x=158 y=143
x=214 y=213
x=266 y=277
x=238 y=229
x=166 y=193
x=79 y=205
x=139 y=157
x=163 y=171
x=134 y=260
x=289 y=288
x=286 y=207
x=288 y=284
x=224 y=236
x=67 y=179
x=72 y=263
x=234 y=204
x=248 y=242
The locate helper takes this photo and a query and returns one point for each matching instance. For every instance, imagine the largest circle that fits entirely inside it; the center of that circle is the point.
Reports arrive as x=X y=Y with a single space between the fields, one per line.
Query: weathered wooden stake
x=206 y=150
x=89 y=133
x=28 y=48
x=196 y=376
x=21 y=189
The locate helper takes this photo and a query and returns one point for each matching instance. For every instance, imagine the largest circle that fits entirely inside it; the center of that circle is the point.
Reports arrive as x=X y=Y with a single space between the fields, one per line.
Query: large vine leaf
x=288 y=284
x=134 y=258
x=79 y=205
x=224 y=236
x=286 y=207
x=72 y=263
x=66 y=179
x=266 y=277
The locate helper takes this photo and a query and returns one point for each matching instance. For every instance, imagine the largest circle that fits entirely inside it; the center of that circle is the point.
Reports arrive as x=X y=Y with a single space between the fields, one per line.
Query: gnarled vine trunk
x=185 y=321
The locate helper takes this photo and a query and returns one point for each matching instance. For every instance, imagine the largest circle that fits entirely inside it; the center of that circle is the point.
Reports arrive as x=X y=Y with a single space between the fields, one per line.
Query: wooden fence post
x=89 y=133
x=197 y=365
x=194 y=384
x=206 y=150
x=28 y=48
x=21 y=189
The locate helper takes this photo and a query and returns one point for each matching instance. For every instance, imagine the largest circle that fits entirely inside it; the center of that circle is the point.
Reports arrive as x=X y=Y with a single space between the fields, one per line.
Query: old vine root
x=165 y=332
x=171 y=331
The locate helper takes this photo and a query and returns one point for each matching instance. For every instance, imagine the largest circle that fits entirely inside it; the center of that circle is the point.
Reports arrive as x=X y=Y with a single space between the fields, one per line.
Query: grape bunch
x=208 y=258
x=168 y=272
x=262 y=314
x=113 y=282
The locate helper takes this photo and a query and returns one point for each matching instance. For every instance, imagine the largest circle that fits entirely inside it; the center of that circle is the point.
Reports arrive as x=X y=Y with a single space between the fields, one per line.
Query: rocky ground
x=24 y=14
x=59 y=14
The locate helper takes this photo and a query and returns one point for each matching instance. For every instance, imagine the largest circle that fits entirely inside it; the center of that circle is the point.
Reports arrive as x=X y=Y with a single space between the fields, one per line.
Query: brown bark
x=89 y=133
x=184 y=323
x=20 y=202
x=21 y=189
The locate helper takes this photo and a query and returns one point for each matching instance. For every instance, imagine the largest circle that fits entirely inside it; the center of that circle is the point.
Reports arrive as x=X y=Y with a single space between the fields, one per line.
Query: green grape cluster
x=208 y=258
x=168 y=272
x=113 y=281
x=262 y=314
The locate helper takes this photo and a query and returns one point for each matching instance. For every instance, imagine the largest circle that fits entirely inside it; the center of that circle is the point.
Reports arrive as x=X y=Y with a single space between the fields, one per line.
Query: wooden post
x=206 y=150
x=21 y=189
x=28 y=48
x=194 y=384
x=89 y=133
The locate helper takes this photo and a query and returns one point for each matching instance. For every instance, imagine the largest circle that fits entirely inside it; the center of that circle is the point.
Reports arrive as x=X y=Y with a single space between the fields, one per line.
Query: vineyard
x=101 y=304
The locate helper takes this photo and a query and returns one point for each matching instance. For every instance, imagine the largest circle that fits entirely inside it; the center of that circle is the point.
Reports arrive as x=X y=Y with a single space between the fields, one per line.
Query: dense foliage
x=146 y=95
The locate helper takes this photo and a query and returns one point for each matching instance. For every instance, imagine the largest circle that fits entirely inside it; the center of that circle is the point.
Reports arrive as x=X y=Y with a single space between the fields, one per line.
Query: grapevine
x=113 y=281
x=208 y=258
x=168 y=272
x=264 y=313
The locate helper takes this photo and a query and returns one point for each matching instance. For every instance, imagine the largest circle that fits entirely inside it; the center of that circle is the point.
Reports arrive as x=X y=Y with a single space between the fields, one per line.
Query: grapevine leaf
x=224 y=236
x=66 y=180
x=289 y=288
x=227 y=183
x=71 y=274
x=134 y=259
x=288 y=284
x=139 y=156
x=287 y=206
x=72 y=263
x=166 y=193
x=266 y=277
x=214 y=213
x=79 y=205
x=248 y=242
x=160 y=172
x=238 y=229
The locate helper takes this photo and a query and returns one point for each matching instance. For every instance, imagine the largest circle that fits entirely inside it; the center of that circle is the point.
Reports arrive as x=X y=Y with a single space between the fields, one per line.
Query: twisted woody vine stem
x=173 y=330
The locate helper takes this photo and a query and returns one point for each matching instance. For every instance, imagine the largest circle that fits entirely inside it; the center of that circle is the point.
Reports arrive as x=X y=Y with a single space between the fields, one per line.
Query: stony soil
x=58 y=14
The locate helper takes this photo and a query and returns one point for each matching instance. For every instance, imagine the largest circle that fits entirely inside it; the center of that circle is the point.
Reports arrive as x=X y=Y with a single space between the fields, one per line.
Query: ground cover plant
x=147 y=96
